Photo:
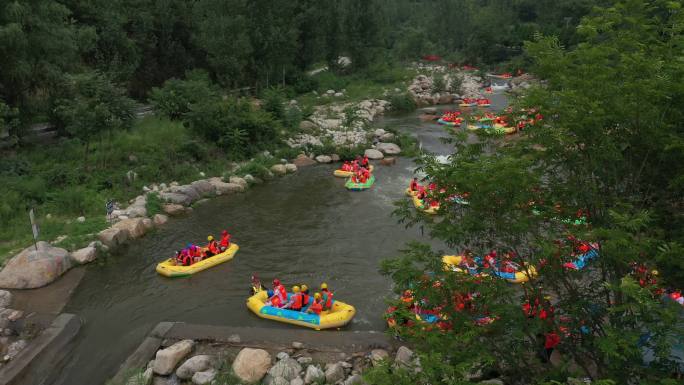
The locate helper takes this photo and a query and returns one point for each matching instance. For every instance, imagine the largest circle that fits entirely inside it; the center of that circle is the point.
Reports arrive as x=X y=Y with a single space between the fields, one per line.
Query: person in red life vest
x=422 y=194
x=364 y=162
x=327 y=296
x=346 y=166
x=279 y=297
x=407 y=299
x=296 y=301
x=490 y=260
x=551 y=340
x=225 y=241
x=305 y=296
x=434 y=203
x=413 y=186
x=538 y=117
x=317 y=305
x=212 y=247
x=676 y=295
x=196 y=254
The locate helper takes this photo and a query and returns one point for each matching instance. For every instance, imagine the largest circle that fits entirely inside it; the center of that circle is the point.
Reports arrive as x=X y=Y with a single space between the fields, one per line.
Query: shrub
x=154 y=204
x=274 y=102
x=176 y=96
x=402 y=102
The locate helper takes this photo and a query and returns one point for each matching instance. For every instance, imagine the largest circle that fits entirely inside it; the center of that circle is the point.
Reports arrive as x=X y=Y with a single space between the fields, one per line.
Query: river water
x=302 y=228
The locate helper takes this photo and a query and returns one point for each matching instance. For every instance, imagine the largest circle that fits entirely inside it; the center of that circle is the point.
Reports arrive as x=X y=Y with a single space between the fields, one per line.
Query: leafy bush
x=176 y=96
x=402 y=102
x=328 y=80
x=274 y=102
x=438 y=83
x=305 y=84
x=154 y=204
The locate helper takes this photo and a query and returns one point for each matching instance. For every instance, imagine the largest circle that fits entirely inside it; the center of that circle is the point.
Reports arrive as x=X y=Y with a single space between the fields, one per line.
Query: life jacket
x=327 y=299
x=552 y=340
x=305 y=299
x=281 y=293
x=317 y=306
x=225 y=241
x=275 y=301
x=196 y=252
x=187 y=260
x=364 y=162
x=296 y=301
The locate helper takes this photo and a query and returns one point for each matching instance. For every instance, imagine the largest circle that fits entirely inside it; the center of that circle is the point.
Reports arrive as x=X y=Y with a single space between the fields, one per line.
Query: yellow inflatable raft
x=346 y=174
x=420 y=206
x=505 y=129
x=340 y=314
x=169 y=268
x=453 y=263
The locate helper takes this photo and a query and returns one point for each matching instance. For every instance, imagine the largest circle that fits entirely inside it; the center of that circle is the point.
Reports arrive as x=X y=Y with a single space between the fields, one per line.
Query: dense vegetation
x=610 y=144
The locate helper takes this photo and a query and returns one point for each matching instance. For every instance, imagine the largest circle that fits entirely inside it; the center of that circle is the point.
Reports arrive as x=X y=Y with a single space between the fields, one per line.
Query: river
x=302 y=228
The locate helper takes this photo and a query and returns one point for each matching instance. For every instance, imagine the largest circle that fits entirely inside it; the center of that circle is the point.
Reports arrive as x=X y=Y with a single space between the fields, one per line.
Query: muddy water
x=303 y=228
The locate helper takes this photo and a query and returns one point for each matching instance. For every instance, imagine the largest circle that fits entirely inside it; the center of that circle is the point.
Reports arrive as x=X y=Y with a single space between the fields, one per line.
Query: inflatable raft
x=347 y=174
x=453 y=263
x=169 y=268
x=360 y=186
x=449 y=123
x=421 y=206
x=340 y=314
x=582 y=260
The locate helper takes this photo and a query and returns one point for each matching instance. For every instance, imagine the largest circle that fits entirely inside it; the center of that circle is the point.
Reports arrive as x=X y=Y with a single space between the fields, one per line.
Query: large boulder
x=373 y=154
x=251 y=365
x=204 y=377
x=323 y=159
x=279 y=169
x=378 y=355
x=176 y=198
x=138 y=208
x=228 y=188
x=5 y=298
x=33 y=268
x=134 y=226
x=334 y=373
x=307 y=125
x=174 y=209
x=238 y=180
x=160 y=219
x=187 y=190
x=287 y=368
x=84 y=255
x=167 y=359
x=113 y=237
x=388 y=148
x=404 y=357
x=303 y=161
x=290 y=168
x=203 y=187
x=387 y=136
x=314 y=374
x=195 y=364
x=355 y=379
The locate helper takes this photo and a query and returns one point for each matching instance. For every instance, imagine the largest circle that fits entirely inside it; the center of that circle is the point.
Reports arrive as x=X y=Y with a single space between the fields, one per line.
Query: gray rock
x=167 y=359
x=303 y=161
x=297 y=381
x=286 y=368
x=204 y=377
x=493 y=381
x=5 y=298
x=160 y=219
x=388 y=148
x=134 y=226
x=249 y=178
x=147 y=222
x=323 y=159
x=195 y=364
x=174 y=209
x=15 y=348
x=176 y=198
x=270 y=380
x=305 y=360
x=84 y=255
x=373 y=154
x=404 y=356
x=32 y=269
x=313 y=374
x=355 y=379
x=237 y=180
x=228 y=188
x=234 y=339
x=203 y=187
x=290 y=168
x=282 y=356
x=187 y=190
x=386 y=137
x=170 y=380
x=307 y=125
x=379 y=132
x=80 y=219
x=335 y=157
x=297 y=345
x=251 y=365
x=334 y=373
x=279 y=169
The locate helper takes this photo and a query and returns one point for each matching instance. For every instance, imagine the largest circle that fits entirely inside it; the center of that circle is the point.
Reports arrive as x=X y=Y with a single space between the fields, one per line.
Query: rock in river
x=31 y=269
x=84 y=255
x=388 y=148
x=195 y=364
x=303 y=161
x=373 y=154
x=251 y=365
x=279 y=169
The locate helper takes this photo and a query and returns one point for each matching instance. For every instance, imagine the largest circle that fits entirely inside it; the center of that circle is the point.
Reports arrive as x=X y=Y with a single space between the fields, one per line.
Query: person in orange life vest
x=196 y=254
x=305 y=296
x=212 y=247
x=279 y=293
x=317 y=305
x=295 y=302
x=584 y=248
x=327 y=296
x=407 y=299
x=225 y=241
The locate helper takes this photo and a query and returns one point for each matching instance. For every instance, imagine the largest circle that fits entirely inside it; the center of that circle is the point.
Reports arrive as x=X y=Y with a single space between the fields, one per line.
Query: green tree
x=609 y=128
x=91 y=105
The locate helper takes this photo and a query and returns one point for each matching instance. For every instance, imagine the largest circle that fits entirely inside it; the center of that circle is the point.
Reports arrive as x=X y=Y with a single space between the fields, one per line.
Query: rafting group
x=427 y=198
x=451 y=118
x=359 y=173
x=475 y=102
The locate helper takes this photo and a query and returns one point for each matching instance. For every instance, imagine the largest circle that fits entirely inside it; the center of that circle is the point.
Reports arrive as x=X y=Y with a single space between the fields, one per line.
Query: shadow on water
x=303 y=228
